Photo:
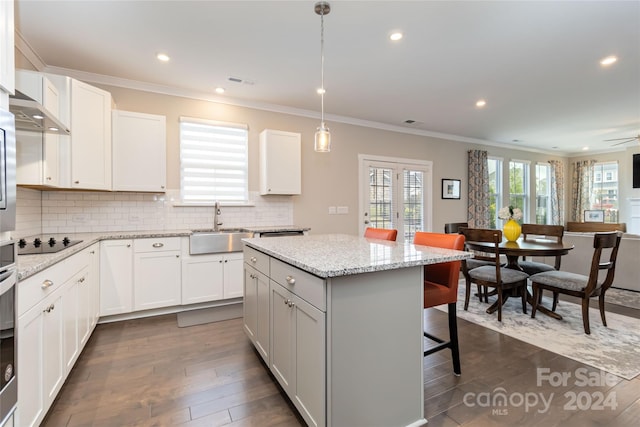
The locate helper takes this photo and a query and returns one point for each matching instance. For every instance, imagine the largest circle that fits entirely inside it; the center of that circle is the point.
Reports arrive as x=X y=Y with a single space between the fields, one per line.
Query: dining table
x=515 y=250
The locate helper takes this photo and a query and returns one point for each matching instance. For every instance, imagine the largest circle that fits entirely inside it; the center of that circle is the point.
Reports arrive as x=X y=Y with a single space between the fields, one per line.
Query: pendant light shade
x=323 y=137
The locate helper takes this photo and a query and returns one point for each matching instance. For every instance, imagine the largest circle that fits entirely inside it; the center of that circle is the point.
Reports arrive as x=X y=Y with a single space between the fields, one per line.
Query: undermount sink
x=212 y=242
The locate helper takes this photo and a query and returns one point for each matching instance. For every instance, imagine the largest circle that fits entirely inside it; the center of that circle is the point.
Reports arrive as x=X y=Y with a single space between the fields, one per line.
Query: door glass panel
x=413 y=204
x=380 y=197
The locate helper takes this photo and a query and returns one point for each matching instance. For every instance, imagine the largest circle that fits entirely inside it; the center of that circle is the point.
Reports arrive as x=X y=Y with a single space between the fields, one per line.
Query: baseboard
x=209 y=315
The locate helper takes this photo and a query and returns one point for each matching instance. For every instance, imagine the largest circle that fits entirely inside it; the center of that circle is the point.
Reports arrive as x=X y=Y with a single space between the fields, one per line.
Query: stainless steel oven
x=7 y=171
x=8 y=381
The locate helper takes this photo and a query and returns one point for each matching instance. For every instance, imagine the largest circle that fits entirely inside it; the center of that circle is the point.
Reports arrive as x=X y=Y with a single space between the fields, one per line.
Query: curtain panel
x=557 y=192
x=478 y=197
x=581 y=188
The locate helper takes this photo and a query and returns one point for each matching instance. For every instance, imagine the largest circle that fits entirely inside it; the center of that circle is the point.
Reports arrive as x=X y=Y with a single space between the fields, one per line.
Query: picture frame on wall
x=594 y=215
x=450 y=188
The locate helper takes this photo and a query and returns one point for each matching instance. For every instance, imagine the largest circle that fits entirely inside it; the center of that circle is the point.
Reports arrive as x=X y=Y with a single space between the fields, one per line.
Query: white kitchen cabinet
x=280 y=162
x=40 y=354
x=7 y=54
x=90 y=137
x=86 y=163
x=93 y=284
x=157 y=273
x=212 y=277
x=70 y=318
x=139 y=152
x=116 y=277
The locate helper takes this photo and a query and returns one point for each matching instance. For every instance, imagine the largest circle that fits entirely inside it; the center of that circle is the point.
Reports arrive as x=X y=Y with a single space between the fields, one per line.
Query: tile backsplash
x=51 y=212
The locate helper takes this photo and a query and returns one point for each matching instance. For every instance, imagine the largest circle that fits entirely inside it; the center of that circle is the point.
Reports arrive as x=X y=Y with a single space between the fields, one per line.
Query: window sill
x=211 y=205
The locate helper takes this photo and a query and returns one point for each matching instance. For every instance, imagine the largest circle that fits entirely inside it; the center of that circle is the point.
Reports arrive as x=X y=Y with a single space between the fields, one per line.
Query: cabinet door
x=51 y=160
x=85 y=307
x=280 y=162
x=233 y=274
x=250 y=305
x=70 y=306
x=157 y=280
x=93 y=283
x=90 y=137
x=7 y=54
x=139 y=152
x=31 y=378
x=202 y=278
x=310 y=358
x=116 y=277
x=52 y=347
x=282 y=337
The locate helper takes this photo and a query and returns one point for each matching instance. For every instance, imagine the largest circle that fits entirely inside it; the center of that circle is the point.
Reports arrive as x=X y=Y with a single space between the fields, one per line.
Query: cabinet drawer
x=35 y=288
x=305 y=285
x=156 y=244
x=257 y=260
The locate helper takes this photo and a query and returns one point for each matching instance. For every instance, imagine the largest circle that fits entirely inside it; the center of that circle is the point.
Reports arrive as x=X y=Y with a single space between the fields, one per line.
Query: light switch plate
x=343 y=210
x=332 y=210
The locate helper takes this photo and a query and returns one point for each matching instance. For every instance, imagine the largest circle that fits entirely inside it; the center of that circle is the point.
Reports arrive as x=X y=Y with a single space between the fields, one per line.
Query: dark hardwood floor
x=150 y=372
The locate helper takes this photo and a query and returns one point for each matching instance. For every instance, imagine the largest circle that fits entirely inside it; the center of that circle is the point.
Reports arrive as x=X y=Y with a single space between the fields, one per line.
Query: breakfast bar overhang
x=349 y=312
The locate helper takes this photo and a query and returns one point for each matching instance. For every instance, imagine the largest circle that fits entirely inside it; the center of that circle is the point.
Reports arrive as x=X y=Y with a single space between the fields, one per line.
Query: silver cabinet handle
x=128 y=245
x=291 y=280
x=48 y=178
x=46 y=284
x=177 y=256
x=253 y=259
x=289 y=302
x=49 y=309
x=76 y=182
x=158 y=245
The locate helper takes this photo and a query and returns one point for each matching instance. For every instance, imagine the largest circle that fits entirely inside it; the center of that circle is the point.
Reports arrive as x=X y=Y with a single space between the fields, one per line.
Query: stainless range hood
x=31 y=115
x=37 y=104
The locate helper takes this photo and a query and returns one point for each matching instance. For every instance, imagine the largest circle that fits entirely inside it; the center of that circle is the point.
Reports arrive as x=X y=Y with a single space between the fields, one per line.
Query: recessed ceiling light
x=481 y=103
x=163 y=57
x=395 y=36
x=321 y=91
x=37 y=117
x=53 y=129
x=608 y=60
x=219 y=90
x=585 y=148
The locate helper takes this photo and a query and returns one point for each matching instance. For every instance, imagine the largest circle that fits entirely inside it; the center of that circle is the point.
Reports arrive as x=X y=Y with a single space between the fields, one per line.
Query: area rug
x=614 y=349
x=623 y=297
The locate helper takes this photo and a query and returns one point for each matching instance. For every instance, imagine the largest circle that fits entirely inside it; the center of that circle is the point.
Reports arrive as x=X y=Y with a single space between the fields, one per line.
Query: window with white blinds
x=213 y=161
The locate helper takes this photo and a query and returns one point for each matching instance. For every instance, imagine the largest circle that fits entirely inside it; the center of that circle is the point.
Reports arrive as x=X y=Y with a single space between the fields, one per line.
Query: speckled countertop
x=334 y=255
x=29 y=265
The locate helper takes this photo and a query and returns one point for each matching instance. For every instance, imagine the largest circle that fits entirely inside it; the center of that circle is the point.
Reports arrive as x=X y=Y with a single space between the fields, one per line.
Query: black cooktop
x=40 y=245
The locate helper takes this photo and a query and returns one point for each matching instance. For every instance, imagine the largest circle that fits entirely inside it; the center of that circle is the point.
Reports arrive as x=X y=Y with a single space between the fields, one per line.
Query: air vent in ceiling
x=243 y=81
x=412 y=122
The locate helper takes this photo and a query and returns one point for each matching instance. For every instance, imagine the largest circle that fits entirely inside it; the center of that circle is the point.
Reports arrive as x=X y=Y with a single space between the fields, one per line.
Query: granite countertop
x=334 y=255
x=29 y=265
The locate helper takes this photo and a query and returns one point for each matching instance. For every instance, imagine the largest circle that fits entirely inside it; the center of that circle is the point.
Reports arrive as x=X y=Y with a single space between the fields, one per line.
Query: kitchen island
x=338 y=321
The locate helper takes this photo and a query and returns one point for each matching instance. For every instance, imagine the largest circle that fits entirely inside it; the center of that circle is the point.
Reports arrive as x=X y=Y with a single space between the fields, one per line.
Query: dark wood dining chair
x=495 y=275
x=531 y=267
x=478 y=261
x=581 y=286
x=441 y=287
x=381 y=233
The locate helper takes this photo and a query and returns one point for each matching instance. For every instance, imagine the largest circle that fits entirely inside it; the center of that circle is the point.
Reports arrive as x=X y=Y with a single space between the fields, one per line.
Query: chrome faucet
x=216 y=212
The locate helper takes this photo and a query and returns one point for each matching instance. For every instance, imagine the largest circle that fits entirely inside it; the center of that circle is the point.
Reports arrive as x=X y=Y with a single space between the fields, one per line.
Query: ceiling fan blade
x=623 y=142
x=620 y=139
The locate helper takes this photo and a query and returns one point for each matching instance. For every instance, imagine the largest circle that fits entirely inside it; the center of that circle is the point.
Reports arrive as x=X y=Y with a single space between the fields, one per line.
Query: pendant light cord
x=322 y=66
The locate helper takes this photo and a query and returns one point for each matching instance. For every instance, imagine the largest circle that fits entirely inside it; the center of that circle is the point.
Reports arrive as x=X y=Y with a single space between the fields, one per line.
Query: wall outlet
x=80 y=218
x=332 y=210
x=343 y=210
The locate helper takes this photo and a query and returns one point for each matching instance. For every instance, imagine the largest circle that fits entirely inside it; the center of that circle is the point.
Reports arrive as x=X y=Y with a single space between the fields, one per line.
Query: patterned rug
x=615 y=349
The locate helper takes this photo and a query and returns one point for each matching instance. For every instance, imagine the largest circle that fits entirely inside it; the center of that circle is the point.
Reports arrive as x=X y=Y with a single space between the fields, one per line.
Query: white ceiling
x=536 y=63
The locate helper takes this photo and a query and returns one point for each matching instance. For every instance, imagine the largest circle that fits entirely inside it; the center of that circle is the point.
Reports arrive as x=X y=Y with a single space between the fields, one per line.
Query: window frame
x=546 y=196
x=526 y=195
x=233 y=177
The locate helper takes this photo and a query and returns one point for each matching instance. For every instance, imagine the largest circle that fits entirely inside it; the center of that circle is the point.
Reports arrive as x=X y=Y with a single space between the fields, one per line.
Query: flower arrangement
x=509 y=212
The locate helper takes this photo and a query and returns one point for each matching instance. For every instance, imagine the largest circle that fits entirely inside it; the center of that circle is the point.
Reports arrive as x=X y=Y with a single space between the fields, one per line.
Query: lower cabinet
x=298 y=352
x=211 y=277
x=116 y=277
x=157 y=273
x=256 y=310
x=285 y=319
x=53 y=326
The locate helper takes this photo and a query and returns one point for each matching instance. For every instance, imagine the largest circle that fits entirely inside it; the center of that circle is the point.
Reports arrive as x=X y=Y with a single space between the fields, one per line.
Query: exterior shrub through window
x=213 y=161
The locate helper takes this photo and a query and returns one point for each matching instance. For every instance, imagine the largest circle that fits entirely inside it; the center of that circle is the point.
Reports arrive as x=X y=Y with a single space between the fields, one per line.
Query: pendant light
x=323 y=137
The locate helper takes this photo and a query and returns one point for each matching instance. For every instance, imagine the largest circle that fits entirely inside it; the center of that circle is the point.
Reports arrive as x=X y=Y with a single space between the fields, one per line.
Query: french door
x=395 y=193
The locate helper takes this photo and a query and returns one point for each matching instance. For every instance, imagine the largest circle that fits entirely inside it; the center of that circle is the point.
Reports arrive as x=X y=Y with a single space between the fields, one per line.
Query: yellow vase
x=511 y=230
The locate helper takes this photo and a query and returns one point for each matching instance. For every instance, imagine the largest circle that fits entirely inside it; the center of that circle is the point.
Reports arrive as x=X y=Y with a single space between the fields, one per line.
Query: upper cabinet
x=139 y=152
x=88 y=110
x=7 y=56
x=280 y=162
